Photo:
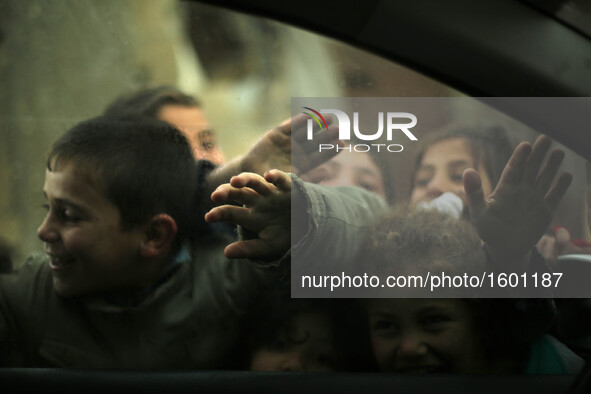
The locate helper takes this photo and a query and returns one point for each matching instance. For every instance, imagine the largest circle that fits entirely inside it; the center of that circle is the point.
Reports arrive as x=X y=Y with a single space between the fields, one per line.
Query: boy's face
x=82 y=234
x=425 y=335
x=308 y=346
x=193 y=123
x=441 y=171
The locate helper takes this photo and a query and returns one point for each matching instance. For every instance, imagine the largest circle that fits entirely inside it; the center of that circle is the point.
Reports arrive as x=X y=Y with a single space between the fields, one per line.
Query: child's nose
x=47 y=231
x=436 y=187
x=412 y=345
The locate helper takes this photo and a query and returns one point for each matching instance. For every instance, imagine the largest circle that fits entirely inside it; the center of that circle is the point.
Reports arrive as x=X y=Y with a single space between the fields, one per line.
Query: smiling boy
x=108 y=227
x=88 y=249
x=131 y=277
x=125 y=281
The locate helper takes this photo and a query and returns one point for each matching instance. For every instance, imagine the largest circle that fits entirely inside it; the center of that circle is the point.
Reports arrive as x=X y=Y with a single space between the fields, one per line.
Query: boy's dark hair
x=148 y=102
x=145 y=166
x=490 y=146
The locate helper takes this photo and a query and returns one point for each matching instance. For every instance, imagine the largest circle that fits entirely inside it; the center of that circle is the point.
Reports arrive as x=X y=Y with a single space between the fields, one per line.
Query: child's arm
x=328 y=224
x=514 y=217
x=284 y=147
x=265 y=211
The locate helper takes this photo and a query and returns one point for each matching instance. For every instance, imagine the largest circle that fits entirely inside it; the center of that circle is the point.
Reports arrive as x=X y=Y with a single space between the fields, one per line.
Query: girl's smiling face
x=425 y=335
x=441 y=170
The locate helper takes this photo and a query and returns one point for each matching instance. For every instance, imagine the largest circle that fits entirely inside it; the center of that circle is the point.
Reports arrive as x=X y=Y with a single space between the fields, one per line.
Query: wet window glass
x=63 y=62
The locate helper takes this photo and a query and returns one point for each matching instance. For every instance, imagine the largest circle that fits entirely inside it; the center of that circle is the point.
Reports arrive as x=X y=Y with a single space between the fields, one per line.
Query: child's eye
x=457 y=178
x=318 y=175
x=207 y=145
x=72 y=219
x=67 y=216
x=367 y=186
x=384 y=326
x=422 y=182
x=435 y=322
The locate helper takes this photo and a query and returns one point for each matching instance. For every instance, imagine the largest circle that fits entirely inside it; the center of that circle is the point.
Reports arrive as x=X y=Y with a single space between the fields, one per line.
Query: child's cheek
x=418 y=194
x=384 y=353
x=82 y=244
x=74 y=241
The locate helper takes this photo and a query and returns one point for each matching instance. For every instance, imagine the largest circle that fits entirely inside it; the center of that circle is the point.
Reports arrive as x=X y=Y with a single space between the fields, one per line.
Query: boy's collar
x=130 y=300
x=183 y=255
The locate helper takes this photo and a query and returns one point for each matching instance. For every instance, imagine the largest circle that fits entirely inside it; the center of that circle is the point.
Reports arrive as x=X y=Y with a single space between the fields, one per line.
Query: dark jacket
x=190 y=321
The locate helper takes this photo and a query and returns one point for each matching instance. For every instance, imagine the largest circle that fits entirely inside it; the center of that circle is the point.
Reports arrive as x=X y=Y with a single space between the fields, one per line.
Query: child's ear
x=160 y=234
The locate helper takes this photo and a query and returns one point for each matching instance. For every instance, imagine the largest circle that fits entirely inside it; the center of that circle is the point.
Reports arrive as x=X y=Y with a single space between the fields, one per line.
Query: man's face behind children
x=425 y=335
x=83 y=236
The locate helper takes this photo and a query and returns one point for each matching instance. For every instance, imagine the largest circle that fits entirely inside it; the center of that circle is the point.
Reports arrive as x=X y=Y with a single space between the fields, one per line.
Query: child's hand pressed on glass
x=286 y=147
x=265 y=211
x=519 y=210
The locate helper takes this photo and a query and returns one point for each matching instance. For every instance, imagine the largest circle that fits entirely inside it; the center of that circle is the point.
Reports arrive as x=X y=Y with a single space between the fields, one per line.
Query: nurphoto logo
x=396 y=122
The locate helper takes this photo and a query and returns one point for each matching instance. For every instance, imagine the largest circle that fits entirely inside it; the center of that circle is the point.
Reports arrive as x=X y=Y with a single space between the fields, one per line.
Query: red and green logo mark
x=315 y=115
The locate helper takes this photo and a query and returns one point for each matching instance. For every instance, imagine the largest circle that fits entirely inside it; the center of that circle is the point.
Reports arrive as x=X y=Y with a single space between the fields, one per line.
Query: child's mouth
x=60 y=263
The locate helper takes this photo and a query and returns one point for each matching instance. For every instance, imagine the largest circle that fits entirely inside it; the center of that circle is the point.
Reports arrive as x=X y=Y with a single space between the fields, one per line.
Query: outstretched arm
x=284 y=147
x=517 y=213
x=266 y=211
x=328 y=224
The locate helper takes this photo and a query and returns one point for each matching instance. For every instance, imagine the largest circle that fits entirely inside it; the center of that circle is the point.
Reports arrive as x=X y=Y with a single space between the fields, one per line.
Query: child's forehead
x=308 y=325
x=450 y=147
x=75 y=180
x=404 y=306
x=79 y=168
